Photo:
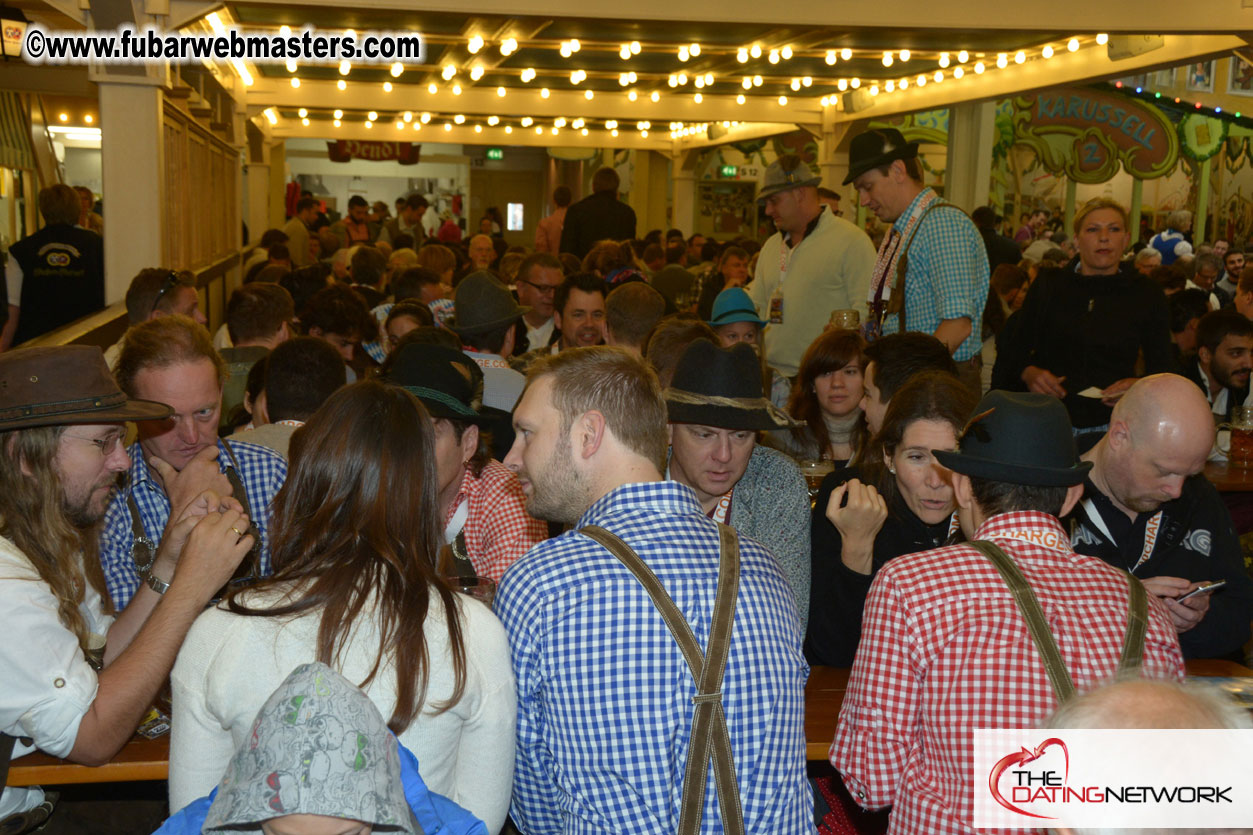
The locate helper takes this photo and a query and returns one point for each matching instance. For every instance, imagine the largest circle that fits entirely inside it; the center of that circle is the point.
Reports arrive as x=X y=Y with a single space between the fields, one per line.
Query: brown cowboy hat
x=65 y=384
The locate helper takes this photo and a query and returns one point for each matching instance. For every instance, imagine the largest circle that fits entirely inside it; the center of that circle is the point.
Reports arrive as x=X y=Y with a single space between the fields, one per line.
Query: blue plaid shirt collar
x=141 y=473
x=668 y=497
x=901 y=222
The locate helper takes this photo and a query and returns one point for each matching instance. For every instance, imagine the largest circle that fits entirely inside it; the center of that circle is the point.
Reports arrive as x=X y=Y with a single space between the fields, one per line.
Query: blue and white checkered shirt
x=947 y=276
x=261 y=469
x=604 y=695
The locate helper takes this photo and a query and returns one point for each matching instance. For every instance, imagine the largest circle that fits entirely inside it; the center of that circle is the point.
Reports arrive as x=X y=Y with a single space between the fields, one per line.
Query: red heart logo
x=1026 y=755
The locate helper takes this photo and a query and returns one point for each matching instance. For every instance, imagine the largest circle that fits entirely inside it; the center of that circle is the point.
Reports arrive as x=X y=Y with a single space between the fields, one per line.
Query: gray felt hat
x=483 y=305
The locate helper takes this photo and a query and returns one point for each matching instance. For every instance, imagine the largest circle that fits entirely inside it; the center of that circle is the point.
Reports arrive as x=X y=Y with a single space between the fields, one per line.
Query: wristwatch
x=156 y=584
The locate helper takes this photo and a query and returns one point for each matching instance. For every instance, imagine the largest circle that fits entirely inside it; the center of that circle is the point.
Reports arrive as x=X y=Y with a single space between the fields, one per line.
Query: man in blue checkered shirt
x=604 y=694
x=936 y=244
x=171 y=360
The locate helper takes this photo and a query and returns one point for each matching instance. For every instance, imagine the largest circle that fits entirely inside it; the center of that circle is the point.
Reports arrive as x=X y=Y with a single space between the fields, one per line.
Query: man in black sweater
x=1147 y=509
x=599 y=216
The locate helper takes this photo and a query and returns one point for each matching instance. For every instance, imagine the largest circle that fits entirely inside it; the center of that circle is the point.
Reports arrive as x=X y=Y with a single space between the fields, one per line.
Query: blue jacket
x=437 y=814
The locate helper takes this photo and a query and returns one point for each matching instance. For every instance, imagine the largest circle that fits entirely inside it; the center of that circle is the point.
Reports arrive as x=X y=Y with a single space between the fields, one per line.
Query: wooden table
x=148 y=759
x=1229 y=479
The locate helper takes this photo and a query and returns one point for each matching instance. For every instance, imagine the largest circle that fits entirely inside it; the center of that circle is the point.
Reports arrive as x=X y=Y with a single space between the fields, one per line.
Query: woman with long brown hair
x=827 y=396
x=355 y=536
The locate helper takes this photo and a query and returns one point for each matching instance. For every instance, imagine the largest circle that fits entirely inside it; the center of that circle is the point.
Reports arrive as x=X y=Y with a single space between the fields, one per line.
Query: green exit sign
x=495 y=153
x=729 y=171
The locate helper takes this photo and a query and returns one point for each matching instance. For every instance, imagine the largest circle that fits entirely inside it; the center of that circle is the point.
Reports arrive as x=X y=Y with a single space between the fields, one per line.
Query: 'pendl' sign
x=344 y=150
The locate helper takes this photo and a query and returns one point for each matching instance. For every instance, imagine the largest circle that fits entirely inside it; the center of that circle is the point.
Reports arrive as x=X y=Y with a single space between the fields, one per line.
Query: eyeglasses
x=171 y=281
x=542 y=289
x=107 y=446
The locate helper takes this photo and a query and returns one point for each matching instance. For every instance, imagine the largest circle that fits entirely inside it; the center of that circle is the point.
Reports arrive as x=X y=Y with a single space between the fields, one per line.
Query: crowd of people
x=612 y=437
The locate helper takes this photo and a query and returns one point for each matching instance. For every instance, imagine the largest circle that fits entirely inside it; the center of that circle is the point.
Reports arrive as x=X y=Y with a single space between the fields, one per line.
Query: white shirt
x=536 y=337
x=48 y=686
x=230 y=664
x=502 y=386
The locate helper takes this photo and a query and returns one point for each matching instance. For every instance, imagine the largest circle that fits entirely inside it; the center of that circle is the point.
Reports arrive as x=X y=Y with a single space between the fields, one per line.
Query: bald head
x=481 y=252
x=1137 y=703
x=1161 y=432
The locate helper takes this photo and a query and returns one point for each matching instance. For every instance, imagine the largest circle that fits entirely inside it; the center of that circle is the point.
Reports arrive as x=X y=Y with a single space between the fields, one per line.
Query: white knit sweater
x=230 y=664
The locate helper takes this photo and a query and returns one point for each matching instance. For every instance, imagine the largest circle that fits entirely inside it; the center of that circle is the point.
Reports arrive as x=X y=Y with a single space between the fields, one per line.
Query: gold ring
x=238 y=531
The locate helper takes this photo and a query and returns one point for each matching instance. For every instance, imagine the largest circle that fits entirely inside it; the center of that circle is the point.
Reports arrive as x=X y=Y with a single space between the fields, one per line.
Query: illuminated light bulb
x=889 y=86
x=509 y=46
x=1019 y=57
x=887 y=59
x=304 y=122
x=291 y=65
x=774 y=56
x=1072 y=45
x=673 y=81
x=543 y=94
x=698 y=98
x=757 y=80
x=695 y=50
x=336 y=123
x=922 y=81
x=846 y=54
x=528 y=75
x=782 y=101
x=786 y=52
x=746 y=83
x=855 y=83
x=755 y=50
x=526 y=121
x=740 y=99
x=979 y=68
x=709 y=79
x=632 y=95
x=369 y=125
x=343 y=85
x=350 y=33
x=478 y=128
x=284 y=30
x=475 y=44
x=635 y=47
x=295 y=82
x=611 y=124
x=904 y=54
x=397 y=69
x=939 y=76
x=1102 y=39
x=400 y=125
x=508 y=128
x=683 y=53
x=459 y=118
x=448 y=72
x=476 y=73
x=806 y=81
x=417 y=126
x=456 y=89
x=842 y=84
x=824 y=101
x=432 y=88
x=796 y=84
x=493 y=119
x=589 y=95
x=874 y=89
x=500 y=91
x=632 y=77
x=387 y=86
x=565 y=50
x=372 y=116
x=302 y=112
x=830 y=57
x=963 y=57
x=944 y=59
x=584 y=131
x=345 y=67
x=538 y=130
x=741 y=55
x=1002 y=61
x=958 y=72
x=447 y=126
x=624 y=52
x=577 y=123
x=613 y=132
x=700 y=82
x=1047 y=52
x=655 y=97
x=425 y=117
x=903 y=83
x=575 y=46
x=682 y=79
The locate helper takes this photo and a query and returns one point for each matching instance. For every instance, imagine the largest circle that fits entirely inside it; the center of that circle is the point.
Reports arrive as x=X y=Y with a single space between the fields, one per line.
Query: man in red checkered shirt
x=944 y=647
x=484 y=516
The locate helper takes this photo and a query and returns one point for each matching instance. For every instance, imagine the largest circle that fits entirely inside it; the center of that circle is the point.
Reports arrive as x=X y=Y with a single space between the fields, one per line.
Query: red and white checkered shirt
x=498 y=529
x=944 y=650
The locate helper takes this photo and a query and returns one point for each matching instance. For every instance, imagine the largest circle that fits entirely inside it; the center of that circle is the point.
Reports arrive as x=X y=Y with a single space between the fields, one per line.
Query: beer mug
x=1238 y=445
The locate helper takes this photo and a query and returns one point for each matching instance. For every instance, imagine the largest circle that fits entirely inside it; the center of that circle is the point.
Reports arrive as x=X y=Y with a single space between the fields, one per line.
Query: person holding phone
x=900 y=502
x=1147 y=508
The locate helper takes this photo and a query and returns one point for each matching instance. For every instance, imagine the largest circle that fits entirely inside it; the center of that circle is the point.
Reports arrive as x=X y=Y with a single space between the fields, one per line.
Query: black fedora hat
x=721 y=387
x=64 y=385
x=442 y=378
x=875 y=148
x=1018 y=438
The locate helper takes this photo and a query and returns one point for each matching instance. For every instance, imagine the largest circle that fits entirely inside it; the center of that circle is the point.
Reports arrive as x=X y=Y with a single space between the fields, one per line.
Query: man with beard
x=579 y=317
x=77 y=681
x=171 y=360
x=1233 y=265
x=606 y=698
x=1147 y=508
x=1224 y=357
